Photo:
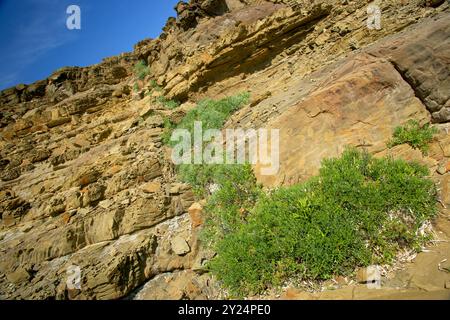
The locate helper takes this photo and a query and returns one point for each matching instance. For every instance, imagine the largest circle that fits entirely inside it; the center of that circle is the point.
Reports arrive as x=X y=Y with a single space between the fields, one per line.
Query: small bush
x=155 y=86
x=141 y=70
x=213 y=114
x=168 y=127
x=358 y=211
x=168 y=104
x=236 y=192
x=237 y=188
x=414 y=134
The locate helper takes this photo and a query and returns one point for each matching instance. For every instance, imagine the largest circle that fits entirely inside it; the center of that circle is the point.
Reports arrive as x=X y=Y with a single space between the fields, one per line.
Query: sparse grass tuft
x=141 y=70
x=155 y=86
x=414 y=134
x=168 y=104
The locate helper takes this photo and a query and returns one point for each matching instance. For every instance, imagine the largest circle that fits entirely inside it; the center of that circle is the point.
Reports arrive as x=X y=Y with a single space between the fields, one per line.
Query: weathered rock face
x=304 y=35
x=65 y=83
x=87 y=185
x=367 y=95
x=189 y=13
x=422 y=62
x=91 y=188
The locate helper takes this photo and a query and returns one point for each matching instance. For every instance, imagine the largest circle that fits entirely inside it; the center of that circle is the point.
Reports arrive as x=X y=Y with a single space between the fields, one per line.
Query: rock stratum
x=86 y=180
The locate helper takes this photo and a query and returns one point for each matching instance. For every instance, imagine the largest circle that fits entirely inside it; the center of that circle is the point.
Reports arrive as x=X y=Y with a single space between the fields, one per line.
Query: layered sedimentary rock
x=87 y=183
x=361 y=99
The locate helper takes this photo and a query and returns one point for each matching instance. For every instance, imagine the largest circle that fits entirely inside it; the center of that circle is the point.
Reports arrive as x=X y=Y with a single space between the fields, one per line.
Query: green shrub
x=141 y=70
x=358 y=211
x=236 y=194
x=213 y=114
x=238 y=190
x=155 y=86
x=168 y=104
x=168 y=127
x=414 y=134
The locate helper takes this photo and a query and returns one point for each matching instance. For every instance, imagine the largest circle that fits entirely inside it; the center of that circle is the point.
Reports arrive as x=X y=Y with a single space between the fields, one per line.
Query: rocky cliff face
x=87 y=182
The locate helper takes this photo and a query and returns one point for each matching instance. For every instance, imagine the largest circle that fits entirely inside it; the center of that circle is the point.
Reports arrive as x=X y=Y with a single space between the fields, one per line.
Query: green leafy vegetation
x=358 y=211
x=154 y=85
x=168 y=127
x=414 y=134
x=141 y=70
x=237 y=192
x=213 y=113
x=168 y=104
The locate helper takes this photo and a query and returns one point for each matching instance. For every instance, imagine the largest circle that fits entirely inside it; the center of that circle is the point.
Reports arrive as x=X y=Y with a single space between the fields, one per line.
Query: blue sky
x=36 y=41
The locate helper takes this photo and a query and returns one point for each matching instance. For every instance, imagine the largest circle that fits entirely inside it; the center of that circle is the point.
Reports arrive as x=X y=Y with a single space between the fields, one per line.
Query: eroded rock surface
x=361 y=99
